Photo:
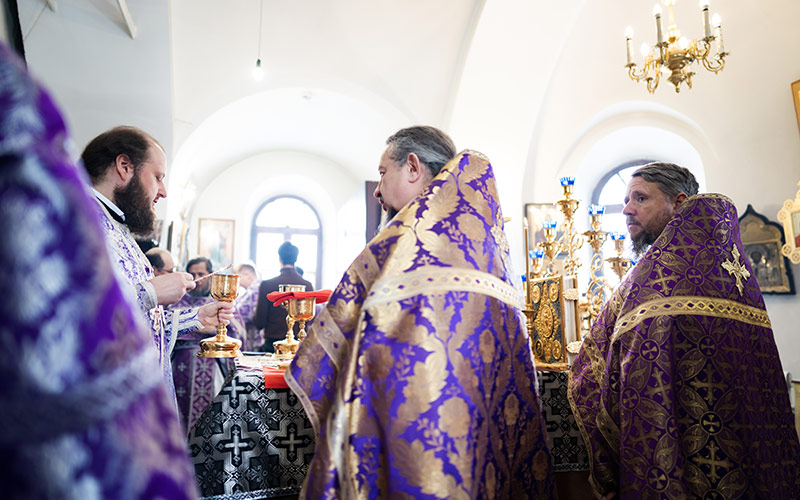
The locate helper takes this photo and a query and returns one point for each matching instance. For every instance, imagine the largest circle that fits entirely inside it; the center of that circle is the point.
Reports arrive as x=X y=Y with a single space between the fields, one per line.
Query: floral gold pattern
x=418 y=376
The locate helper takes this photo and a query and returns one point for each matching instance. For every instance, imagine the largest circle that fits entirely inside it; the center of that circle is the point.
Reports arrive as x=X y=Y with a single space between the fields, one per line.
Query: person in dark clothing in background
x=273 y=319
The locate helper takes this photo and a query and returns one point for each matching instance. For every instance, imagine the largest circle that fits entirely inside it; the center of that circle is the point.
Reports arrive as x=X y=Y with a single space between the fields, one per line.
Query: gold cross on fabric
x=736 y=269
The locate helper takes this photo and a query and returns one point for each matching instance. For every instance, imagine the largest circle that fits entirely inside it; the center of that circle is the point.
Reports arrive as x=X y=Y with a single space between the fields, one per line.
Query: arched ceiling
x=339 y=77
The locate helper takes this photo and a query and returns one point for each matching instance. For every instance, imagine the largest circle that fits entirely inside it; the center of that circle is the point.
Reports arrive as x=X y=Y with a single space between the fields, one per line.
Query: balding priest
x=418 y=376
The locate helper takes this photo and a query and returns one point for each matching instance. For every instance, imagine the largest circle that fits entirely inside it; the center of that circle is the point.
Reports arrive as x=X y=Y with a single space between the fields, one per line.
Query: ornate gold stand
x=572 y=240
x=224 y=287
x=619 y=264
x=598 y=285
x=554 y=324
x=286 y=349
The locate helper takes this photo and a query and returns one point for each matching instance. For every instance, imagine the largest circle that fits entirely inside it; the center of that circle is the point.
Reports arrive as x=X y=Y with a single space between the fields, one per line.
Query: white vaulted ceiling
x=339 y=76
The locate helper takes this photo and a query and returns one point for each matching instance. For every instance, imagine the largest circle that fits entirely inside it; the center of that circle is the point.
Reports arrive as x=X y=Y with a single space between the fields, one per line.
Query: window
x=611 y=190
x=287 y=218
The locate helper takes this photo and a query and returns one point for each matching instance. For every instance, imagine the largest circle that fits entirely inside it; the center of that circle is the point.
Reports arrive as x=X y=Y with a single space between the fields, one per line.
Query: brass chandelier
x=673 y=55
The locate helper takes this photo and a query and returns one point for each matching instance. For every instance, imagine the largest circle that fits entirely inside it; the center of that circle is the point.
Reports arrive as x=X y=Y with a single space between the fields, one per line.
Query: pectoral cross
x=736 y=269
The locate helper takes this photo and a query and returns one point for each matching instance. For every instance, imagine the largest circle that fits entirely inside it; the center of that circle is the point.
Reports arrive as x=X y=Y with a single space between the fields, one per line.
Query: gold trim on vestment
x=703 y=306
x=716 y=196
x=432 y=279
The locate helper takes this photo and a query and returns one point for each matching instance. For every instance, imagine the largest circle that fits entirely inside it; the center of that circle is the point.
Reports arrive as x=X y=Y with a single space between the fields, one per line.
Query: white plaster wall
x=543 y=103
x=98 y=75
x=238 y=191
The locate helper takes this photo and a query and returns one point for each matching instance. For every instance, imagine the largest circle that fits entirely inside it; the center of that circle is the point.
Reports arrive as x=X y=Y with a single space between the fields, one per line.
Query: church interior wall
x=539 y=88
x=241 y=189
x=98 y=75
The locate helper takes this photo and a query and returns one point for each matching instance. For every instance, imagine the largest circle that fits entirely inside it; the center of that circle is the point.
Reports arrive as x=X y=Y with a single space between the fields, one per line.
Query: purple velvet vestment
x=418 y=376
x=85 y=411
x=678 y=389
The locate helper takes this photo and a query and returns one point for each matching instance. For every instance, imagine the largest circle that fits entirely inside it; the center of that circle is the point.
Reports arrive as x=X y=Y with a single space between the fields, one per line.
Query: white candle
x=659 y=26
x=629 y=44
x=718 y=33
x=706 y=18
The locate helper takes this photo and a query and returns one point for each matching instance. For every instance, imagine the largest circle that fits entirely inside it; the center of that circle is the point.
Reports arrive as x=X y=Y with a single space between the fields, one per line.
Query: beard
x=647 y=236
x=642 y=241
x=138 y=209
x=386 y=217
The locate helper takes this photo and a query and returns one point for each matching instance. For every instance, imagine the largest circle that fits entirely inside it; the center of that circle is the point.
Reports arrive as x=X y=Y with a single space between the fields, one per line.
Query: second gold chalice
x=285 y=349
x=224 y=287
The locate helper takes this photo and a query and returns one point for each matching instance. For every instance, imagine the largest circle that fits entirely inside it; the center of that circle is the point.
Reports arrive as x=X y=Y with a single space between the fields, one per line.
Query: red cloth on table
x=273 y=378
x=277 y=298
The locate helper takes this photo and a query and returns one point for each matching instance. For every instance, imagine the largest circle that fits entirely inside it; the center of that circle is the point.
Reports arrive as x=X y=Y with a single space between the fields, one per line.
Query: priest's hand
x=216 y=313
x=171 y=287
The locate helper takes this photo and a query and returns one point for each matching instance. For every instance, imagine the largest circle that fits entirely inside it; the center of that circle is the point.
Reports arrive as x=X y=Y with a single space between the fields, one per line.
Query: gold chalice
x=302 y=310
x=285 y=349
x=224 y=287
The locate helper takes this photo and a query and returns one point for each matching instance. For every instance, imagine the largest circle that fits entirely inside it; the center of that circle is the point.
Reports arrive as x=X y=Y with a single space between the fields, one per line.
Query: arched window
x=611 y=190
x=287 y=218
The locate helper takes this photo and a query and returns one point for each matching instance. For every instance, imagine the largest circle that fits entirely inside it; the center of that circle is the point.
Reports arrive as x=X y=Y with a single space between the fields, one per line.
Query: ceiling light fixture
x=258 y=71
x=672 y=56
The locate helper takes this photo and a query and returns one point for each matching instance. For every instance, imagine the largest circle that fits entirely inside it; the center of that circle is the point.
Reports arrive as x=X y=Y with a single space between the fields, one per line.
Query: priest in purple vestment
x=85 y=411
x=127 y=168
x=418 y=376
x=678 y=388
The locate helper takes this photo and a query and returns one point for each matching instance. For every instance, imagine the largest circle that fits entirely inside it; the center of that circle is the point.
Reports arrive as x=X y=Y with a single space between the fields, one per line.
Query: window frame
x=287 y=232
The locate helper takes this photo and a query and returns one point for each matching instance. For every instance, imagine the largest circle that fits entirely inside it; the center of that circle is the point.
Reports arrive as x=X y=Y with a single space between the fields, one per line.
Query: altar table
x=253 y=443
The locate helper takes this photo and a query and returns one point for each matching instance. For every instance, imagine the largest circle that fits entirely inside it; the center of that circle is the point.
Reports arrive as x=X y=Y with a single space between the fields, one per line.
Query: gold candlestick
x=527 y=263
x=571 y=241
x=224 y=287
x=598 y=285
x=550 y=246
x=538 y=262
x=619 y=264
x=596 y=235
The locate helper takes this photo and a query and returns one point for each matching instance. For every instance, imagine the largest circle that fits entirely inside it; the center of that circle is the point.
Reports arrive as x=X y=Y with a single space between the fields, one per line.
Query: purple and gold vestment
x=85 y=411
x=678 y=389
x=418 y=376
x=133 y=268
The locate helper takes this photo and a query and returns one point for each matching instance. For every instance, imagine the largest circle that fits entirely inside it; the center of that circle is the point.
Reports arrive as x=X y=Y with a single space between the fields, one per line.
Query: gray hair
x=671 y=179
x=433 y=147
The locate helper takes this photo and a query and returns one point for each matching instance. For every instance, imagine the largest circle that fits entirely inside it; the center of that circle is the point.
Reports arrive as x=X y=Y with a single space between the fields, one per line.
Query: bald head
x=161 y=260
x=247 y=274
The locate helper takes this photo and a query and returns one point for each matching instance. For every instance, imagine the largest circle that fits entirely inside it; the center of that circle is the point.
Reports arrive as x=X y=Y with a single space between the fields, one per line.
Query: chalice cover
x=277 y=298
x=678 y=389
x=417 y=375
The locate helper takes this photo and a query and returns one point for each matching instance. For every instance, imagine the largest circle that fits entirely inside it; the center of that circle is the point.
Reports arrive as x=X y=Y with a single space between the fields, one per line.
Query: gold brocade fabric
x=678 y=388
x=418 y=376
